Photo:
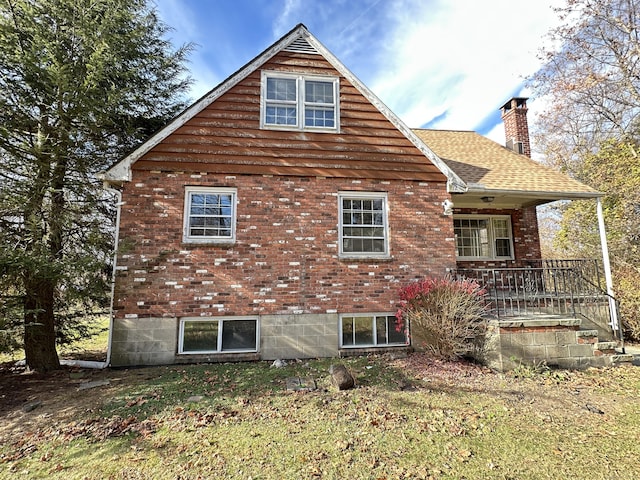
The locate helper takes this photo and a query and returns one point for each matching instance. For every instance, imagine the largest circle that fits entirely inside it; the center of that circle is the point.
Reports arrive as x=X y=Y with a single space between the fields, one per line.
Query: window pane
x=239 y=335
x=281 y=89
x=503 y=247
x=363 y=226
x=472 y=237
x=395 y=335
x=318 y=92
x=281 y=115
x=211 y=215
x=363 y=327
x=319 y=117
x=500 y=227
x=347 y=331
x=381 y=331
x=200 y=336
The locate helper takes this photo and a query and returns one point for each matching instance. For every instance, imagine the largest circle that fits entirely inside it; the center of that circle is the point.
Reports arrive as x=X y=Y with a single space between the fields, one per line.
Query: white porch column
x=607 y=266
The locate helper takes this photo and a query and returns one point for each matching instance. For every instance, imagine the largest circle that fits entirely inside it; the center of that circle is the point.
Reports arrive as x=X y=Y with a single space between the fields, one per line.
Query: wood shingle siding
x=226 y=137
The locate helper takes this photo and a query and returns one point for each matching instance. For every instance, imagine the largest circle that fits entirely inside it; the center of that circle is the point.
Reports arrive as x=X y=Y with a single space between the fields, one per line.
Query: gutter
x=118 y=194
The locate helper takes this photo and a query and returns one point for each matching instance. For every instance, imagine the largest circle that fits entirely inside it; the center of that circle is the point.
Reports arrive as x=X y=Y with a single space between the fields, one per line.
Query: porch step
x=605 y=348
x=622 y=358
x=587 y=336
x=556 y=340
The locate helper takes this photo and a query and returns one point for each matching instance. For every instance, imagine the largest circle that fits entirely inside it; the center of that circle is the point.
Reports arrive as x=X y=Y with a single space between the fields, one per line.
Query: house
x=278 y=216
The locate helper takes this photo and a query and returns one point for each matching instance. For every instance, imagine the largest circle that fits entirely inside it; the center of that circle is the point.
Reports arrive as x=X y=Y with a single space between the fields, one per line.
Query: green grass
x=95 y=346
x=248 y=426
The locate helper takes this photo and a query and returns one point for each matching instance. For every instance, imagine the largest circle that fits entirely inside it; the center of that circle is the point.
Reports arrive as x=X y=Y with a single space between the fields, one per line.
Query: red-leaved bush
x=445 y=316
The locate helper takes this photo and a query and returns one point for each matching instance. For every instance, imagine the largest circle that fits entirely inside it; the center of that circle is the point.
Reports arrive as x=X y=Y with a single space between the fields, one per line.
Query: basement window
x=209 y=335
x=483 y=237
x=370 y=330
x=299 y=102
x=209 y=215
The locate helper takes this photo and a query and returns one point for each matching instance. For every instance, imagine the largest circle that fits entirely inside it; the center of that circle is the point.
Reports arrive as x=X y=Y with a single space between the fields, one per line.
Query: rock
x=278 y=363
x=341 y=377
x=94 y=384
x=29 y=407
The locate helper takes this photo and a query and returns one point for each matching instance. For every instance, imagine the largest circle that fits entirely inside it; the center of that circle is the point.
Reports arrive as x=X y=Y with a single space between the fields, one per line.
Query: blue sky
x=447 y=64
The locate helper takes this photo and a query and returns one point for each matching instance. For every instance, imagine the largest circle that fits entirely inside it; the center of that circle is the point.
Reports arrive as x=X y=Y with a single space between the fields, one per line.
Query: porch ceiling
x=499 y=199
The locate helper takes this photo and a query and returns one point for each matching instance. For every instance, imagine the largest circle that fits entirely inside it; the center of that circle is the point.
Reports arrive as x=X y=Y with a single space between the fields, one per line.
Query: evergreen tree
x=81 y=83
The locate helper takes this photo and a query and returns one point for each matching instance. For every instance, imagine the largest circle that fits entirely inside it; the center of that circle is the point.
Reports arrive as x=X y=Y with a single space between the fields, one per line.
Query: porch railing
x=547 y=287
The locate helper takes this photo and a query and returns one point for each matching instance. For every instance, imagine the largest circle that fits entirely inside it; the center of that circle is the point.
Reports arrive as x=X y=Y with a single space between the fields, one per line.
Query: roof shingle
x=486 y=165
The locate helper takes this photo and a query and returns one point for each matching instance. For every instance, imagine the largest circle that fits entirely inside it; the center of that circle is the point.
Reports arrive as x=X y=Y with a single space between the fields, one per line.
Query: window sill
x=217 y=357
x=365 y=258
x=484 y=259
x=217 y=244
x=359 y=351
x=288 y=128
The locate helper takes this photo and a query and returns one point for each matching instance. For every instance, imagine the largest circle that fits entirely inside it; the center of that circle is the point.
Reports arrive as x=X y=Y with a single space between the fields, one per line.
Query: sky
x=444 y=64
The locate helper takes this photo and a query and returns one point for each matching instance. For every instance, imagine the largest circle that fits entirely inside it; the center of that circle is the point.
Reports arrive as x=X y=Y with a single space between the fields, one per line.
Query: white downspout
x=113 y=273
x=607 y=267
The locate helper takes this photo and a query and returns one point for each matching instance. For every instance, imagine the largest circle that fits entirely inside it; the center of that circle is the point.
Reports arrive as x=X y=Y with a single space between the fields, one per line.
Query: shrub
x=445 y=316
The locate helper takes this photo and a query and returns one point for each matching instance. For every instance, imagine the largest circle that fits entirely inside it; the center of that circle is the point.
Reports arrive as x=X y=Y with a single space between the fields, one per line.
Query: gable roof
x=488 y=168
x=297 y=40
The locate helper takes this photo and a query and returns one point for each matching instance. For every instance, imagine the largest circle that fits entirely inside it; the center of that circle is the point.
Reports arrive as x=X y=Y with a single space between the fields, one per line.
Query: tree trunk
x=39 y=325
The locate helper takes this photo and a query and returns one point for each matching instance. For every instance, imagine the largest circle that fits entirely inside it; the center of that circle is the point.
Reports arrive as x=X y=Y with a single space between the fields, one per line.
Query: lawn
x=411 y=417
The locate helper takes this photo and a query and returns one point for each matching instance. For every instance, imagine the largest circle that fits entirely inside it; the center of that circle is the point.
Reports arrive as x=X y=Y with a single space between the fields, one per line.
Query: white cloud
x=463 y=58
x=426 y=59
x=285 y=21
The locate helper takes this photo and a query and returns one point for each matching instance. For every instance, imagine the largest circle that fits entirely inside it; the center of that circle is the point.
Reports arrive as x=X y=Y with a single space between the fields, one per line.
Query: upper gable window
x=209 y=215
x=299 y=102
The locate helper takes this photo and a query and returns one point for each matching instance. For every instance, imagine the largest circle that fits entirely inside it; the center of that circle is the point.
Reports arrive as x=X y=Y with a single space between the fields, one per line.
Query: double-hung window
x=363 y=224
x=483 y=237
x=367 y=330
x=213 y=335
x=209 y=215
x=299 y=102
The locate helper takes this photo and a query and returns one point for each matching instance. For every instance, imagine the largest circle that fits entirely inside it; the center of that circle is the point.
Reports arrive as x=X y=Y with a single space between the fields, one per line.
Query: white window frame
x=491 y=237
x=218 y=349
x=385 y=219
x=299 y=102
x=374 y=319
x=188 y=192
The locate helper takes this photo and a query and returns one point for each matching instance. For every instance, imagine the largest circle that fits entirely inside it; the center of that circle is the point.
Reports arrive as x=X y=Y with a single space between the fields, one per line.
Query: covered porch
x=537 y=307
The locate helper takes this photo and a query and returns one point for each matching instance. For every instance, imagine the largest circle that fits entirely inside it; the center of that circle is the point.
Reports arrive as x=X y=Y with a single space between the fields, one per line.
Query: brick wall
x=285 y=259
x=516 y=126
x=526 y=238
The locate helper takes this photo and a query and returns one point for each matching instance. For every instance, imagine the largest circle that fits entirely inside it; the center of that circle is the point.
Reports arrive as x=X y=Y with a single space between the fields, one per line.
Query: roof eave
x=550 y=194
x=454 y=183
x=121 y=171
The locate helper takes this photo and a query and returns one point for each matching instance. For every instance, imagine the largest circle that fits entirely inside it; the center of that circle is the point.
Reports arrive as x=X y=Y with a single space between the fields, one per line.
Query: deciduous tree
x=590 y=128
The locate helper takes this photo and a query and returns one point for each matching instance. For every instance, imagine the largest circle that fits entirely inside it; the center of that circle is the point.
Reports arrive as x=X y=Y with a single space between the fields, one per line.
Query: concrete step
x=605 y=346
x=587 y=333
x=622 y=358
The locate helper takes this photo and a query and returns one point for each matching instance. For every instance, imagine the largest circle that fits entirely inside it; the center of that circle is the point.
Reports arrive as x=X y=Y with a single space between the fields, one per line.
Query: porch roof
x=502 y=177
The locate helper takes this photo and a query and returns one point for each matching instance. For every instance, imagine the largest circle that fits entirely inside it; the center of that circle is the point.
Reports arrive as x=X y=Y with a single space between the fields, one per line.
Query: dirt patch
x=29 y=401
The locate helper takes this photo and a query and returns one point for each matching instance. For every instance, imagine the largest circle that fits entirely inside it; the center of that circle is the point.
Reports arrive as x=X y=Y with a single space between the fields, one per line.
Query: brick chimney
x=516 y=128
